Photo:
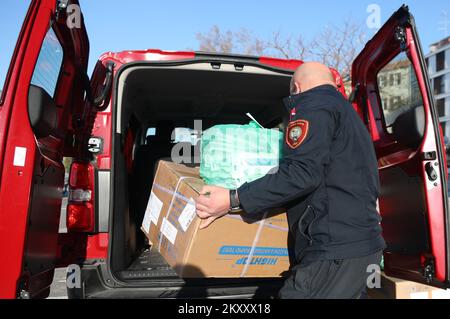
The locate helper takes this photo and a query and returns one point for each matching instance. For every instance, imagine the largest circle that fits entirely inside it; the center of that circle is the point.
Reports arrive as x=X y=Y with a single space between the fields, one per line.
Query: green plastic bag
x=232 y=155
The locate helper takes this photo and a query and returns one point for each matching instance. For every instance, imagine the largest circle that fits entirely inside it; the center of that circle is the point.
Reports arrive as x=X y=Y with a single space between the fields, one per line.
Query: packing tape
x=239 y=217
x=171 y=192
x=255 y=242
x=174 y=195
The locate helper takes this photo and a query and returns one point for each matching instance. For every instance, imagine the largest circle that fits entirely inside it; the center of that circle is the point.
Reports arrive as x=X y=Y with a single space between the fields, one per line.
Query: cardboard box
x=394 y=288
x=233 y=246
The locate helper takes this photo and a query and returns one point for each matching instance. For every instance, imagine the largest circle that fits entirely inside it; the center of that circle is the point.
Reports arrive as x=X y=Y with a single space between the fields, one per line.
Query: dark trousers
x=330 y=279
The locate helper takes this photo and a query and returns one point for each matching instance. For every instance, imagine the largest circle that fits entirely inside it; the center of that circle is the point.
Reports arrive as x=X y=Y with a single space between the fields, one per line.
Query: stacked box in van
x=237 y=245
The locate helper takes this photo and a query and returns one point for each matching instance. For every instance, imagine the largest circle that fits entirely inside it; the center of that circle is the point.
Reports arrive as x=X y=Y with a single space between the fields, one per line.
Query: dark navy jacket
x=329 y=183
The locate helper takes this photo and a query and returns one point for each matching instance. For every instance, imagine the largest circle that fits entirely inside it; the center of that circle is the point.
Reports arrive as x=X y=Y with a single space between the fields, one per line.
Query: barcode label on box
x=187 y=215
x=169 y=231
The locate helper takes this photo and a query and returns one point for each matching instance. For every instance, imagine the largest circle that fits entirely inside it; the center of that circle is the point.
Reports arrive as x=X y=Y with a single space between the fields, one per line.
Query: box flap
x=195 y=184
x=181 y=170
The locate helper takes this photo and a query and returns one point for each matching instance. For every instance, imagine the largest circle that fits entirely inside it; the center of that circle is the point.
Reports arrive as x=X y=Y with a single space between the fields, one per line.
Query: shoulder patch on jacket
x=296 y=133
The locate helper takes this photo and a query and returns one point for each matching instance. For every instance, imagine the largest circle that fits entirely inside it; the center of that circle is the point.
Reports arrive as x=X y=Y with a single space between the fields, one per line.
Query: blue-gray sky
x=172 y=25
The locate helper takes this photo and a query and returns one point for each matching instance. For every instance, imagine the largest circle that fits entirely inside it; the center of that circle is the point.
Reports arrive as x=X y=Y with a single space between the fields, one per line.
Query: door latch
x=400 y=36
x=431 y=172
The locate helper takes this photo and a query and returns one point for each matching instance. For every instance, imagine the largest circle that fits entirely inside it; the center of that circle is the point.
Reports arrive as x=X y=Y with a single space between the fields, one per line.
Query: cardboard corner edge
x=147 y=235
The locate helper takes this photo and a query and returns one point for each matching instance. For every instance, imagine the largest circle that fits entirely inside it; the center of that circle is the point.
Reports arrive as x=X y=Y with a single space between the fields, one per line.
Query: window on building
x=382 y=81
x=404 y=95
x=439 y=85
x=391 y=79
x=440 y=61
x=440 y=105
x=398 y=77
x=446 y=142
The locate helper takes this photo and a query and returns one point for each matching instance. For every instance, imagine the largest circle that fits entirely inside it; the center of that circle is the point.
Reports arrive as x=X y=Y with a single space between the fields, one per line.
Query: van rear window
x=48 y=66
x=398 y=88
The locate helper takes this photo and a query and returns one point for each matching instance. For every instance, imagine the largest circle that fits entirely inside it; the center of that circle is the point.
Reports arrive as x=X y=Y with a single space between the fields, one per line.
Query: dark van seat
x=409 y=127
x=42 y=112
x=144 y=168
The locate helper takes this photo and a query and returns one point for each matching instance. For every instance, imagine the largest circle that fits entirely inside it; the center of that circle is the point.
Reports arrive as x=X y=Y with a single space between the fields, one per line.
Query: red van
x=118 y=123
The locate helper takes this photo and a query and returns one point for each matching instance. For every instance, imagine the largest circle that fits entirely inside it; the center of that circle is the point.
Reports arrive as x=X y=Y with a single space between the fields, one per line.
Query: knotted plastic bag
x=232 y=155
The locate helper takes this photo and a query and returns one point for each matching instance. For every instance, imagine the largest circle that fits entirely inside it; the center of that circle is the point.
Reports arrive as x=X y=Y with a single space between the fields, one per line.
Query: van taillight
x=80 y=208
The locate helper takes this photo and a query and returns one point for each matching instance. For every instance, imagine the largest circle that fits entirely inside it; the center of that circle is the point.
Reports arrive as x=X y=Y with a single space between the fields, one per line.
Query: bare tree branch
x=216 y=41
x=335 y=46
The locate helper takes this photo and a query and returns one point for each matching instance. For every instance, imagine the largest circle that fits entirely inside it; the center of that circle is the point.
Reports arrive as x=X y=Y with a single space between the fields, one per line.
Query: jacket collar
x=293 y=101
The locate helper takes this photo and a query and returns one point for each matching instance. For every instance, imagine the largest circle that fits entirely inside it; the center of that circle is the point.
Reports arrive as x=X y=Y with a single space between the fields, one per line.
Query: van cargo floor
x=149 y=265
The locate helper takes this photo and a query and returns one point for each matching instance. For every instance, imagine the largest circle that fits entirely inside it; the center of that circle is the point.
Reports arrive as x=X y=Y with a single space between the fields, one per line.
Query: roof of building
x=401 y=64
x=440 y=44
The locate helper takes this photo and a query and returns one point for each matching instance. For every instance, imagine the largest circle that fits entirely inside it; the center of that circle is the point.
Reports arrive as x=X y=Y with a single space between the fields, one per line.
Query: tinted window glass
x=402 y=92
x=46 y=72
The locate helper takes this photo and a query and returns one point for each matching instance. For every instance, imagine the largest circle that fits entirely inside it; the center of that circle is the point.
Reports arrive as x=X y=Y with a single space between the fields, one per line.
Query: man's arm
x=299 y=173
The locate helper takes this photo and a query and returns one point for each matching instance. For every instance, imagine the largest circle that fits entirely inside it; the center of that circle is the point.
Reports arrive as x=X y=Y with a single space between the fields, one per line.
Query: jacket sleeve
x=300 y=171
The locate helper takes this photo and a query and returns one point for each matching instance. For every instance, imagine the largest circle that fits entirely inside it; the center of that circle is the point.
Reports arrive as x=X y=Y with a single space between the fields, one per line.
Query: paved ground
x=58 y=288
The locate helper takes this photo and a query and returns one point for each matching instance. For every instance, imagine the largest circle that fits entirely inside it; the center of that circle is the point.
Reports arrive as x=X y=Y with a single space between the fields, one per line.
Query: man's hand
x=213 y=203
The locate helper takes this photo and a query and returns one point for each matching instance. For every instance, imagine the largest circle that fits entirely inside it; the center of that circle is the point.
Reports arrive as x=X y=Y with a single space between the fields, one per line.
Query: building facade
x=438 y=62
x=398 y=87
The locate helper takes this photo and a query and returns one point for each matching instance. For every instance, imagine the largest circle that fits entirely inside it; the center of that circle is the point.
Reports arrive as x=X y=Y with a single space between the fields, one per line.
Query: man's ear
x=296 y=87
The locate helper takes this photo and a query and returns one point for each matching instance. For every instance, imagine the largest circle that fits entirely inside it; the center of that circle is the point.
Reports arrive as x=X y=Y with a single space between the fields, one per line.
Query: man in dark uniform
x=328 y=181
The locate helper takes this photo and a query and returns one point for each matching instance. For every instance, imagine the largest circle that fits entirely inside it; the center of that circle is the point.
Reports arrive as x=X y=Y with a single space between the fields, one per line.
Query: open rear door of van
x=393 y=97
x=41 y=109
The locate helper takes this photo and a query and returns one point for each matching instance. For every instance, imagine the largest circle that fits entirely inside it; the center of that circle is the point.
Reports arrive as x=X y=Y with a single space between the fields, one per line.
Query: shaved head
x=310 y=75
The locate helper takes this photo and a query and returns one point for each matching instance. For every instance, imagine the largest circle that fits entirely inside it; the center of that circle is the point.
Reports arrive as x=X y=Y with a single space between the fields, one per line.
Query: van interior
x=153 y=101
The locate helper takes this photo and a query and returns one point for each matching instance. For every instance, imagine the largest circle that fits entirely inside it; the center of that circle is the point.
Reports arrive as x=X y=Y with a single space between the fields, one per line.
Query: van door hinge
x=61 y=11
x=95 y=145
x=428 y=271
x=400 y=36
x=23 y=294
x=354 y=93
x=22 y=289
x=61 y=7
